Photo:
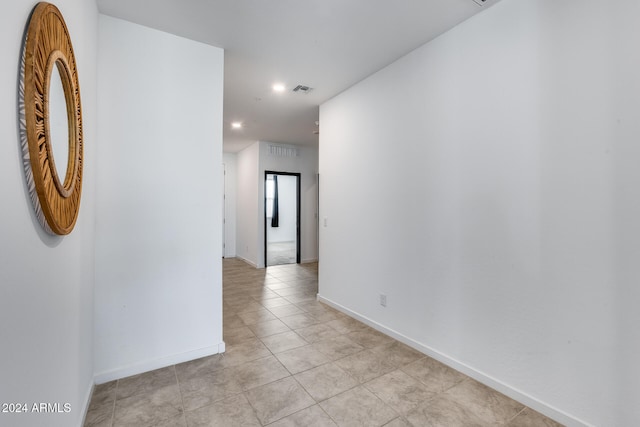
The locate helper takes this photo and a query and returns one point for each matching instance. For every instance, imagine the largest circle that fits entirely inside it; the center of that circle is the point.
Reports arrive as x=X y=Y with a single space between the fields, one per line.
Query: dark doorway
x=281 y=218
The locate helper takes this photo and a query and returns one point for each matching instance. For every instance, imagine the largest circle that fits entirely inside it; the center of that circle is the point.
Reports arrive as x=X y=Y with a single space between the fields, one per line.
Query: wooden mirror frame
x=47 y=45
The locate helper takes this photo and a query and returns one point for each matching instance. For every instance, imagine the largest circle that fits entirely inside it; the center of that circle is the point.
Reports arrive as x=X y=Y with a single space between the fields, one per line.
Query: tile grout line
x=255 y=411
x=113 y=411
x=184 y=410
x=516 y=415
x=115 y=401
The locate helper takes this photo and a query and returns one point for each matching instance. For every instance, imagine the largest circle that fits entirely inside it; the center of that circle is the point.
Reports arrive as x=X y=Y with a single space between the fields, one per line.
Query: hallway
x=292 y=361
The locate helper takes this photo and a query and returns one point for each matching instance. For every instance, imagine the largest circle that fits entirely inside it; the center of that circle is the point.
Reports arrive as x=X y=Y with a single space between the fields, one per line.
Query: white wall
x=286 y=230
x=46 y=282
x=230 y=191
x=247 y=204
x=159 y=216
x=488 y=184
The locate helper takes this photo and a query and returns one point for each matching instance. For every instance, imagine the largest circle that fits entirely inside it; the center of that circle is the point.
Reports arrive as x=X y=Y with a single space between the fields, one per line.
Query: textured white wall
x=488 y=184
x=46 y=283
x=247 y=204
x=159 y=216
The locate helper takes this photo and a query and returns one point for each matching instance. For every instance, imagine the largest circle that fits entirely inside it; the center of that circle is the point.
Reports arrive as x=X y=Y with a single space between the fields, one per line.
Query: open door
x=282 y=218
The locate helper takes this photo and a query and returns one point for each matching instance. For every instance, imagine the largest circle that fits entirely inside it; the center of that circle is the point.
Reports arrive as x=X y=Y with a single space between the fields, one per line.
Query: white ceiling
x=328 y=45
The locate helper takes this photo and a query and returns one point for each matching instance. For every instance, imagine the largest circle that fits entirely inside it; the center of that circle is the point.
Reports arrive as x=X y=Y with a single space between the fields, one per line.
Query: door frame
x=298 y=179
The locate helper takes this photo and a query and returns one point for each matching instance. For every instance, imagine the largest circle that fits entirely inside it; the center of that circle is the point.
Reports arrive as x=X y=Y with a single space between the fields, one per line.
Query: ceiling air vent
x=283 y=151
x=302 y=89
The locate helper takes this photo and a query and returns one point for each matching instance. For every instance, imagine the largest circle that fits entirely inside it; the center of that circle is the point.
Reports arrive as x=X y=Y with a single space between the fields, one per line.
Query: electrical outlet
x=383 y=300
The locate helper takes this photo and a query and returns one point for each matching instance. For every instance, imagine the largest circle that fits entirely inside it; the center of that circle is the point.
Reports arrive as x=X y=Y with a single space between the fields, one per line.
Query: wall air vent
x=302 y=89
x=283 y=151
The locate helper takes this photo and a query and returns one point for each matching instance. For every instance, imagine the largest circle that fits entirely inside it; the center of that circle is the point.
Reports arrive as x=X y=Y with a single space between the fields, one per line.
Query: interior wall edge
x=152 y=364
x=87 y=402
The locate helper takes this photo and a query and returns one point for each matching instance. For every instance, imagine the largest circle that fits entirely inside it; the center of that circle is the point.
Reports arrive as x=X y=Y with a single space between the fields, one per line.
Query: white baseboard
x=251 y=263
x=161 y=362
x=310 y=260
x=524 y=398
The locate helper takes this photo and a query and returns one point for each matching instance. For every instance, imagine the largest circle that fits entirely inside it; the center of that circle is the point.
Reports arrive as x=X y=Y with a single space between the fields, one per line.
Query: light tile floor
x=292 y=361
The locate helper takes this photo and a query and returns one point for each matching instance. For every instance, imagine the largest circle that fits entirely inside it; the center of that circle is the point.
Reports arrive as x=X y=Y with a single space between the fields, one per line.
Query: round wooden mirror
x=53 y=119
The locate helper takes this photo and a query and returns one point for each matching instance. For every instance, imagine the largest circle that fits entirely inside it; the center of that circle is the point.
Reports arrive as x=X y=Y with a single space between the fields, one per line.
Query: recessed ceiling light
x=236 y=125
x=278 y=87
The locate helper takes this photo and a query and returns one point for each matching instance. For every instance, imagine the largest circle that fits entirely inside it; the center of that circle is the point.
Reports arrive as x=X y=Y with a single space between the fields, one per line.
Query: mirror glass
x=58 y=126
